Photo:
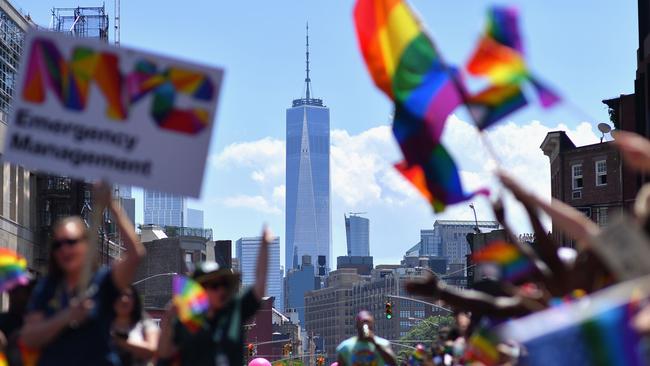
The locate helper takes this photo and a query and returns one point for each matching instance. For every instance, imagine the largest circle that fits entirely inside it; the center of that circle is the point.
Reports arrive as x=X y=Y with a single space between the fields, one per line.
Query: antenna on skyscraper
x=307 y=79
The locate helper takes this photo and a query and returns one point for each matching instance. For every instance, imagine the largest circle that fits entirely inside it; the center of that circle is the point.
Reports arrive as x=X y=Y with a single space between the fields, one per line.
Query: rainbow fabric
x=496 y=102
x=70 y=81
x=3 y=359
x=514 y=265
x=13 y=270
x=191 y=302
x=499 y=57
x=419 y=356
x=482 y=347
x=404 y=63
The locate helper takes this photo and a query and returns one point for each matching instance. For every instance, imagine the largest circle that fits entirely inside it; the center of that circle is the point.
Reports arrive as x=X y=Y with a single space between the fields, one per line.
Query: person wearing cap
x=220 y=340
x=365 y=348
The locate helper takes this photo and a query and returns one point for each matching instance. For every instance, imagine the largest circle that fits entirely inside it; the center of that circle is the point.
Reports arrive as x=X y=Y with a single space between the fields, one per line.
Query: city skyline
x=244 y=182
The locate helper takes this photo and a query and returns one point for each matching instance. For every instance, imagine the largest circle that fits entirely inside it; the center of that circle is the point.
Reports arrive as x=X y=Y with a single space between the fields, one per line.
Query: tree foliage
x=426 y=331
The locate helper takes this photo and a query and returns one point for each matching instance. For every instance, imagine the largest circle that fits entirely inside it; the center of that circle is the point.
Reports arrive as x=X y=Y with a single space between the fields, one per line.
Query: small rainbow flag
x=13 y=270
x=191 y=302
x=405 y=64
x=482 y=347
x=514 y=265
x=499 y=56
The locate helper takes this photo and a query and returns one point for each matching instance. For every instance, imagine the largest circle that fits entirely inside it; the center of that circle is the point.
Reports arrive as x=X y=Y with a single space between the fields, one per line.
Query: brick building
x=330 y=311
x=590 y=178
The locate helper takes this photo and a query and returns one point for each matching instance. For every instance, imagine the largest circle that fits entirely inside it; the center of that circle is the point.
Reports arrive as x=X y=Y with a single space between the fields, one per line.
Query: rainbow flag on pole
x=405 y=64
x=191 y=301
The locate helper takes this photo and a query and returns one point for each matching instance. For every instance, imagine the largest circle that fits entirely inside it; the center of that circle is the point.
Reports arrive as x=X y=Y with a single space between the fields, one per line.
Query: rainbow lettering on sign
x=70 y=81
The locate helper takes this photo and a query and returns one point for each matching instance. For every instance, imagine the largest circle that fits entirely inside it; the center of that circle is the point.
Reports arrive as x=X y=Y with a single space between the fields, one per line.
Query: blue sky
x=585 y=48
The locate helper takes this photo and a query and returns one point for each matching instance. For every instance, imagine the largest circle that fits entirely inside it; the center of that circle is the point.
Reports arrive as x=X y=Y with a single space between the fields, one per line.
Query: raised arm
x=124 y=269
x=635 y=149
x=472 y=300
x=262 y=264
x=571 y=221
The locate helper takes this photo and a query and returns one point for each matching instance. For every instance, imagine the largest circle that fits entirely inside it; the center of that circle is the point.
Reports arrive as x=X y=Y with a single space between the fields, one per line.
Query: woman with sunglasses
x=134 y=333
x=68 y=323
x=220 y=340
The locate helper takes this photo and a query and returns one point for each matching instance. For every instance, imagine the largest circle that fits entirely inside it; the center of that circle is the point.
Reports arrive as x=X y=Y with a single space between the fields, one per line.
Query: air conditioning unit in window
x=576 y=195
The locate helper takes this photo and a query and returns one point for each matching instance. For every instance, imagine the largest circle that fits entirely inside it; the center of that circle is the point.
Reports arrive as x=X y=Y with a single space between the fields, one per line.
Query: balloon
x=335 y=364
x=259 y=362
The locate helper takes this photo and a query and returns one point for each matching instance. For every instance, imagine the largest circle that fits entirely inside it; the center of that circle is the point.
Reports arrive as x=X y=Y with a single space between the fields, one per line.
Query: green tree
x=425 y=331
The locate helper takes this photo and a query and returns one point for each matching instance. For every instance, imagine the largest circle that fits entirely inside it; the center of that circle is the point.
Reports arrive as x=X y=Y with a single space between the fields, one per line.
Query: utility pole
x=312 y=350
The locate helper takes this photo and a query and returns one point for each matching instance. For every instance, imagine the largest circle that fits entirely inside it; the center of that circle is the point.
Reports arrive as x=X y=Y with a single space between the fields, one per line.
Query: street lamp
x=154 y=276
x=478 y=231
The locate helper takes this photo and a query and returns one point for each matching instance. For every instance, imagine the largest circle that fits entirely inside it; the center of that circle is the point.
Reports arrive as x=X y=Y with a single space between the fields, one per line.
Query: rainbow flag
x=499 y=56
x=482 y=347
x=405 y=64
x=191 y=302
x=514 y=265
x=438 y=180
x=594 y=330
x=494 y=103
x=13 y=269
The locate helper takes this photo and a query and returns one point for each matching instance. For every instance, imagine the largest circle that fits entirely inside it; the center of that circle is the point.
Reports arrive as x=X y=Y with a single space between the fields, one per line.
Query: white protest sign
x=624 y=248
x=88 y=110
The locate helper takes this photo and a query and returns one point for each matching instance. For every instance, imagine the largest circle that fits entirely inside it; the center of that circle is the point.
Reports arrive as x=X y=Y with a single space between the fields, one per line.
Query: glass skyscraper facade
x=164 y=209
x=357 y=234
x=246 y=251
x=308 y=217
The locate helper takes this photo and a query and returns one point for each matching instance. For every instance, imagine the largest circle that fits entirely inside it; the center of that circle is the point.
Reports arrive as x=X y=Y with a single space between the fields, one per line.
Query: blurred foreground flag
x=594 y=330
x=499 y=56
x=405 y=64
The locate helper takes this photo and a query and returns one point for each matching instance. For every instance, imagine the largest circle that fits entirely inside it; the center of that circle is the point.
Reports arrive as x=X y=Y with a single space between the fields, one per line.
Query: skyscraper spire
x=307 y=79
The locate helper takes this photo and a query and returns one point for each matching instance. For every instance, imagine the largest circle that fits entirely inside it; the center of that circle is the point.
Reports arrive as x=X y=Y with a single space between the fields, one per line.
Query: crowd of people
x=80 y=313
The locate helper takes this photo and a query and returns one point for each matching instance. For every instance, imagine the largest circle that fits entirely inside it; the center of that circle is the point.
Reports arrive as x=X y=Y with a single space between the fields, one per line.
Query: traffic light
x=389 y=310
x=290 y=348
x=286 y=349
x=251 y=350
x=320 y=361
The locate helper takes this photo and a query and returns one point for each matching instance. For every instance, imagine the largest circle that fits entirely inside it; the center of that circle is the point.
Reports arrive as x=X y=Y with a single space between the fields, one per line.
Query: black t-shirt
x=10 y=323
x=220 y=341
x=90 y=343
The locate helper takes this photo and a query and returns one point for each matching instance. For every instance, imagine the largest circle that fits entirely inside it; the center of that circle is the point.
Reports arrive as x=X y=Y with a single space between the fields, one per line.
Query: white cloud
x=265 y=157
x=363 y=177
x=256 y=203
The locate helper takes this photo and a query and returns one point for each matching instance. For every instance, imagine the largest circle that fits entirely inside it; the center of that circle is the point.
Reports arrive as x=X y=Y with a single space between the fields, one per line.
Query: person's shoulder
x=382 y=341
x=348 y=343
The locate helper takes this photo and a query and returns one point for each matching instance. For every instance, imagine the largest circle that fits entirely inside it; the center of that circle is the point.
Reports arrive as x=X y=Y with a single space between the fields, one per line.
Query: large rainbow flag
x=405 y=64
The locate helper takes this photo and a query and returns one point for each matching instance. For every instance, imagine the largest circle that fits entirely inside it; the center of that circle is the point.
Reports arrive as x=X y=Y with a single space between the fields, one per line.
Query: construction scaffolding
x=11 y=44
x=86 y=22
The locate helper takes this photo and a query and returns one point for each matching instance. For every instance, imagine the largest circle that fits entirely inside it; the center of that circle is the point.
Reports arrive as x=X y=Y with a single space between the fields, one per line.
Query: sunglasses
x=68 y=242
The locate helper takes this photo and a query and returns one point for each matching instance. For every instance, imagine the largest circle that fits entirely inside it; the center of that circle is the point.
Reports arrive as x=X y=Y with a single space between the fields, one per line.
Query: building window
x=601 y=172
x=188 y=257
x=601 y=216
x=576 y=173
